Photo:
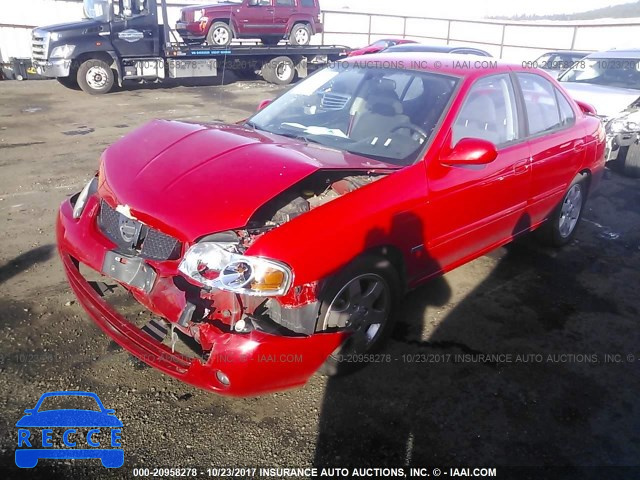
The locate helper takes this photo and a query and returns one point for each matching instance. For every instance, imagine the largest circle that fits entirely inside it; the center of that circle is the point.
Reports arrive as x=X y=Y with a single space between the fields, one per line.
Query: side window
x=489 y=112
x=284 y=3
x=540 y=102
x=567 y=117
x=307 y=3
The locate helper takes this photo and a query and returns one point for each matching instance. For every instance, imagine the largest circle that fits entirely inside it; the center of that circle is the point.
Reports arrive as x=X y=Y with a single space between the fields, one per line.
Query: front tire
x=360 y=299
x=70 y=82
x=631 y=166
x=300 y=34
x=561 y=227
x=96 y=77
x=220 y=35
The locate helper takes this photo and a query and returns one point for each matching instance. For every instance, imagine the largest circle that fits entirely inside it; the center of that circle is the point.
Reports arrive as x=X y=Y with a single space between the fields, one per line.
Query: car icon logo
x=36 y=432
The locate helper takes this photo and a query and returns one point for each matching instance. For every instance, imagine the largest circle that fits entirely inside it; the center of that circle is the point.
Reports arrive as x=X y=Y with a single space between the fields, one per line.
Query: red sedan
x=379 y=46
x=281 y=245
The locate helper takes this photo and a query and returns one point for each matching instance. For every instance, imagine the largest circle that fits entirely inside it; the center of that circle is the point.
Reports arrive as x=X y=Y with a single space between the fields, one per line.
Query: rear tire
x=280 y=71
x=96 y=77
x=300 y=34
x=631 y=166
x=561 y=227
x=360 y=298
x=220 y=35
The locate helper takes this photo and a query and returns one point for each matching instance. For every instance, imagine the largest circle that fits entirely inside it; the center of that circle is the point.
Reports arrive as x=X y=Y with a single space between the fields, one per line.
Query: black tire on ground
x=279 y=70
x=561 y=227
x=339 y=302
x=69 y=82
x=96 y=77
x=631 y=166
x=270 y=41
x=300 y=34
x=220 y=35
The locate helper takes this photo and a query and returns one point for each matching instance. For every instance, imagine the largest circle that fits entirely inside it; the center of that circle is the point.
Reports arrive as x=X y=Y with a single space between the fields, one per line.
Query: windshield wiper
x=250 y=124
x=299 y=136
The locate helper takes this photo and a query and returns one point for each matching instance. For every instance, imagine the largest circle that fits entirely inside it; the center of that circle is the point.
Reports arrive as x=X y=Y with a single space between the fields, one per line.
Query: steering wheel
x=412 y=128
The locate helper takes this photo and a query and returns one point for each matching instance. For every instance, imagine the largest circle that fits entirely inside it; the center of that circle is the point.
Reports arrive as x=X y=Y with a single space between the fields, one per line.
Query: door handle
x=578 y=145
x=521 y=167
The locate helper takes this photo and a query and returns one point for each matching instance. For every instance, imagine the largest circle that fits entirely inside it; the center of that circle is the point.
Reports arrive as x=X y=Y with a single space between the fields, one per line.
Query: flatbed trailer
x=109 y=48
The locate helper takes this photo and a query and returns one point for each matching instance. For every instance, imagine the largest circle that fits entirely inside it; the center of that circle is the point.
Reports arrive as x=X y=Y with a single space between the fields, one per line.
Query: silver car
x=610 y=82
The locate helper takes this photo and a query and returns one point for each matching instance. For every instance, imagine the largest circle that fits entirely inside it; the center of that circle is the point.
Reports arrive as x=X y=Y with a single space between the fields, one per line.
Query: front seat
x=382 y=113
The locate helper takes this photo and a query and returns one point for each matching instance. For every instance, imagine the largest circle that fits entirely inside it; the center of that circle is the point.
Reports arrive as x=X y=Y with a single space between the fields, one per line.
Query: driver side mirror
x=264 y=103
x=470 y=151
x=29 y=411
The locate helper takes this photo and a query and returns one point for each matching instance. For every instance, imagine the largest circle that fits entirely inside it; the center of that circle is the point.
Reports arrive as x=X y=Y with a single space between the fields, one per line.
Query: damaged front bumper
x=616 y=141
x=250 y=363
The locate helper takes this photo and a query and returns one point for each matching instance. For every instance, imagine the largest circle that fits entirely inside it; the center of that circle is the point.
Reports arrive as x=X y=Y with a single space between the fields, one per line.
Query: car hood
x=608 y=101
x=191 y=180
x=222 y=6
x=71 y=27
x=69 y=418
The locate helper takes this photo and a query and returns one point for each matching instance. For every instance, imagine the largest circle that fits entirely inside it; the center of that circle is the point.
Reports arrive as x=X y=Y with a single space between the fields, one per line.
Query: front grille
x=147 y=242
x=334 y=101
x=39 y=45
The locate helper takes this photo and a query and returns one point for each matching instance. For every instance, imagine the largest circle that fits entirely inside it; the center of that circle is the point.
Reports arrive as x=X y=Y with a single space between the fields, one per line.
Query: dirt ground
x=560 y=387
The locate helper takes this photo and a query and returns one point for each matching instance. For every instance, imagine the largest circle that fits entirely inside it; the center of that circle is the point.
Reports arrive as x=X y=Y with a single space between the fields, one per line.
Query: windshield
x=610 y=72
x=97 y=9
x=384 y=114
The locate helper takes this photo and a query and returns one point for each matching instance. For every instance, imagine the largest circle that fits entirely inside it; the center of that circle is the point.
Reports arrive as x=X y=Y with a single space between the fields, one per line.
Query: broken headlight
x=629 y=123
x=89 y=189
x=218 y=265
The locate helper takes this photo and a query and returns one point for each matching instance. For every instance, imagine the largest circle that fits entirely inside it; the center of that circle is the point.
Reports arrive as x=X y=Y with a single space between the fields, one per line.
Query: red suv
x=269 y=20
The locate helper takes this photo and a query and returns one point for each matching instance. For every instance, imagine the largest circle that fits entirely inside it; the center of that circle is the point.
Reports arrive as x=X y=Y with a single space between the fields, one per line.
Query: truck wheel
x=300 y=34
x=359 y=299
x=220 y=35
x=560 y=228
x=631 y=166
x=69 y=82
x=95 y=77
x=279 y=70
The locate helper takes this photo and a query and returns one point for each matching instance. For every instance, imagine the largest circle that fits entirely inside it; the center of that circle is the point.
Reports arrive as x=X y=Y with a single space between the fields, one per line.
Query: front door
x=255 y=17
x=476 y=207
x=134 y=28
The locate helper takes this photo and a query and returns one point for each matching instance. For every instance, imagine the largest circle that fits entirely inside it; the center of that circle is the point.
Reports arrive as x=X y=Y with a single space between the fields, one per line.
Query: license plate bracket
x=133 y=271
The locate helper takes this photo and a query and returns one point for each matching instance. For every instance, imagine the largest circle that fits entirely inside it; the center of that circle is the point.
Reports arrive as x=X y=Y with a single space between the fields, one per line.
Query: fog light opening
x=222 y=378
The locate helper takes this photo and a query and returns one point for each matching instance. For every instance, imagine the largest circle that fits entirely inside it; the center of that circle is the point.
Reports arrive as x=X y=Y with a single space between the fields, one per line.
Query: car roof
x=455 y=64
x=625 y=53
x=421 y=47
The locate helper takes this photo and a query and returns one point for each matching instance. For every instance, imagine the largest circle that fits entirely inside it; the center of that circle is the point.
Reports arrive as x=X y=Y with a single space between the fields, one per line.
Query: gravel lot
x=548 y=396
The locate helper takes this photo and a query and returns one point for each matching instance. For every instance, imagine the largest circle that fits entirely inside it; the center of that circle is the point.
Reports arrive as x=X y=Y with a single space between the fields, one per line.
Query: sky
x=468 y=8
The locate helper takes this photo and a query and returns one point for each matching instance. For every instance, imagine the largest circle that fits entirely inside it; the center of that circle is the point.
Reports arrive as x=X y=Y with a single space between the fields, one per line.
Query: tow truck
x=125 y=40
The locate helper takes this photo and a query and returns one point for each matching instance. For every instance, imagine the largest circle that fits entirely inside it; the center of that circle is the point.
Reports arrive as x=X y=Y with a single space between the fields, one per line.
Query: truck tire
x=280 y=71
x=631 y=167
x=220 y=35
x=96 y=77
x=69 y=82
x=300 y=34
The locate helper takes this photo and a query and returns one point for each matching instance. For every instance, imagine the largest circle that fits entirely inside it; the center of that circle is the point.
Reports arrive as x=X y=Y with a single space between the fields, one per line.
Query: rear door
x=557 y=145
x=476 y=207
x=284 y=10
